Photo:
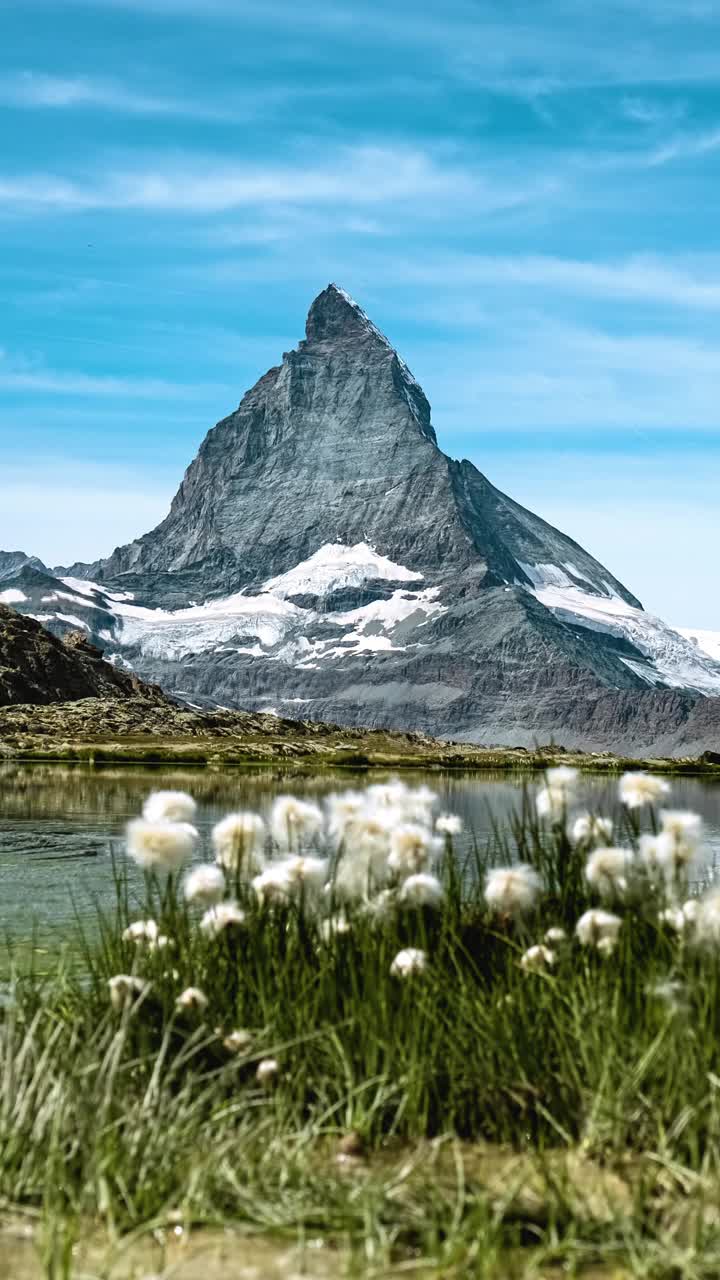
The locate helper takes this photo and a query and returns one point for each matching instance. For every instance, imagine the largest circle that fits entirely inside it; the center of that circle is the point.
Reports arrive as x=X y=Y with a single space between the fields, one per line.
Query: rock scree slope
x=323 y=558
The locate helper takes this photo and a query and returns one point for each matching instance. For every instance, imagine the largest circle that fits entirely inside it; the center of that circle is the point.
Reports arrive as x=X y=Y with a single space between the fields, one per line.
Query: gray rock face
x=382 y=583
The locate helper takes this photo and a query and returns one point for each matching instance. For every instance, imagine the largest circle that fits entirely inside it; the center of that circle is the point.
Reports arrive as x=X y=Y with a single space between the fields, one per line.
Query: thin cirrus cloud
x=16 y=374
x=638 y=278
x=37 y=90
x=356 y=175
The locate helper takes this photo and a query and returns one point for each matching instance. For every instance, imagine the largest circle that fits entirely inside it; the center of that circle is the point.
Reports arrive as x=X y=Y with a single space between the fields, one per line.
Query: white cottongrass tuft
x=412 y=849
x=334 y=927
x=142 y=933
x=295 y=823
x=204 y=885
x=555 y=936
x=553 y=799
x=169 y=806
x=599 y=929
x=291 y=877
x=239 y=842
x=684 y=827
x=448 y=824
x=512 y=891
x=609 y=871
x=707 y=919
x=267 y=1072
x=381 y=907
x=682 y=919
x=237 y=1041
x=192 y=999
x=588 y=828
x=408 y=963
x=638 y=789
x=163 y=847
x=536 y=959
x=124 y=988
x=343 y=809
x=421 y=890
x=224 y=915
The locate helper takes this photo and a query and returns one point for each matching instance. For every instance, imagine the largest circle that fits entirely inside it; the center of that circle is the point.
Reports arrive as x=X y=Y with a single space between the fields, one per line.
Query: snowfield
x=675 y=659
x=268 y=624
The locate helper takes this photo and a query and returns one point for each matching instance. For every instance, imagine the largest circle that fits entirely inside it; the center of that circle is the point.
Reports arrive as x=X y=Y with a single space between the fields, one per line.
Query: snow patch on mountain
x=12 y=596
x=675 y=659
x=708 y=642
x=267 y=624
x=336 y=565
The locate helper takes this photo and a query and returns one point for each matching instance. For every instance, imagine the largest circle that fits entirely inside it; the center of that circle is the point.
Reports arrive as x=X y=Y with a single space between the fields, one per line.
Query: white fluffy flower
x=239 y=842
x=408 y=962
x=192 y=998
x=512 y=891
x=274 y=884
x=224 y=915
x=588 y=828
x=637 y=789
x=412 y=849
x=142 y=933
x=537 y=958
x=295 y=823
x=205 y=885
x=553 y=799
x=417 y=805
x=449 y=824
x=421 y=890
x=267 y=1072
x=598 y=929
x=684 y=829
x=555 y=935
x=682 y=919
x=124 y=988
x=381 y=907
x=237 y=1041
x=169 y=806
x=343 y=809
x=163 y=847
x=550 y=803
x=609 y=871
x=707 y=919
x=334 y=927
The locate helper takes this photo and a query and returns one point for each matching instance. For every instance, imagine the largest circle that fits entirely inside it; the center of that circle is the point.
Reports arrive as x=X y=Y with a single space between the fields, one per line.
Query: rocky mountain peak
x=335 y=317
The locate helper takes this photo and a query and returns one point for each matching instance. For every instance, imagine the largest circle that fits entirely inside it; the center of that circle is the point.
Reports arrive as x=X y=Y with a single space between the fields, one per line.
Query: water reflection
x=58 y=824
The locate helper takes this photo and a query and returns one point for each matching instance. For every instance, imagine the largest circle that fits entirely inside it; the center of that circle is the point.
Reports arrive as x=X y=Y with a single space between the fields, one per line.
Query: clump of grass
x=348 y=972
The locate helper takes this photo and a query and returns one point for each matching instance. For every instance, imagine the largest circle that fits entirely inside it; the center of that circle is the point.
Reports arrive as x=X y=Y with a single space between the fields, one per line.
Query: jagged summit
x=323 y=557
x=335 y=316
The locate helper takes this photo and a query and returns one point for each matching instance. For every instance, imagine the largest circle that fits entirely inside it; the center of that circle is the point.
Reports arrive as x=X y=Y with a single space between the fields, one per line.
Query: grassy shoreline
x=440 y=756
x=479 y=1116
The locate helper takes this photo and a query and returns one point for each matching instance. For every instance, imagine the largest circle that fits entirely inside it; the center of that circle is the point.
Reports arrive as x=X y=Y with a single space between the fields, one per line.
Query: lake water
x=59 y=824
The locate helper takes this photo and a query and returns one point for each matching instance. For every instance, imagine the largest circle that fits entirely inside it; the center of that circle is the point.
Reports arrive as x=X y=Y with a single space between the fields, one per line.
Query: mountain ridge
x=324 y=557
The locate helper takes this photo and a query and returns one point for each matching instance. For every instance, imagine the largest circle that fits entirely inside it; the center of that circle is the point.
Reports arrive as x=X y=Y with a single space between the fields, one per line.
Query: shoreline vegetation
x=330 y=1031
x=96 y=732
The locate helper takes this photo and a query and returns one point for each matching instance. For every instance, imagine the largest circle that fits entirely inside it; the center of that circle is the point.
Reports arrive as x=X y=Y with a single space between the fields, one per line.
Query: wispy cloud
x=685 y=147
x=637 y=278
x=18 y=374
x=353 y=176
x=37 y=90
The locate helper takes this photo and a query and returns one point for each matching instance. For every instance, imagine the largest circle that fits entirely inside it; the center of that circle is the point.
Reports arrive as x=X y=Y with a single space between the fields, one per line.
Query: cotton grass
x=161 y=846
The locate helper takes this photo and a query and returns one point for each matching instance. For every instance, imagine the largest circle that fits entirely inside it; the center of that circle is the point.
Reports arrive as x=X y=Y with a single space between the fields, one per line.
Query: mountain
x=324 y=558
x=39 y=668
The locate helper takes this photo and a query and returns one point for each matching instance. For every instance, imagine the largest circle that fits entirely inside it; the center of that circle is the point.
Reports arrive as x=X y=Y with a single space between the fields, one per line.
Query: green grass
x=508 y=1122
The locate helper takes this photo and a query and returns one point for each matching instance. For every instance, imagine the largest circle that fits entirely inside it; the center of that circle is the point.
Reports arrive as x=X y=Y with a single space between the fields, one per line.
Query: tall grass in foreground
x=345 y=984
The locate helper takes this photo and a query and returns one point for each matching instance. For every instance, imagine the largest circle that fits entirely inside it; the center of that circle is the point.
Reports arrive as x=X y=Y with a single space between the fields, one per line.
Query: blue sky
x=524 y=197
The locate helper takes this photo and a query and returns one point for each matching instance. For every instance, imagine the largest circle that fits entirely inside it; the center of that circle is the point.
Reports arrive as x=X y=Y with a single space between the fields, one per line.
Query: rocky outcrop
x=37 y=667
x=324 y=559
